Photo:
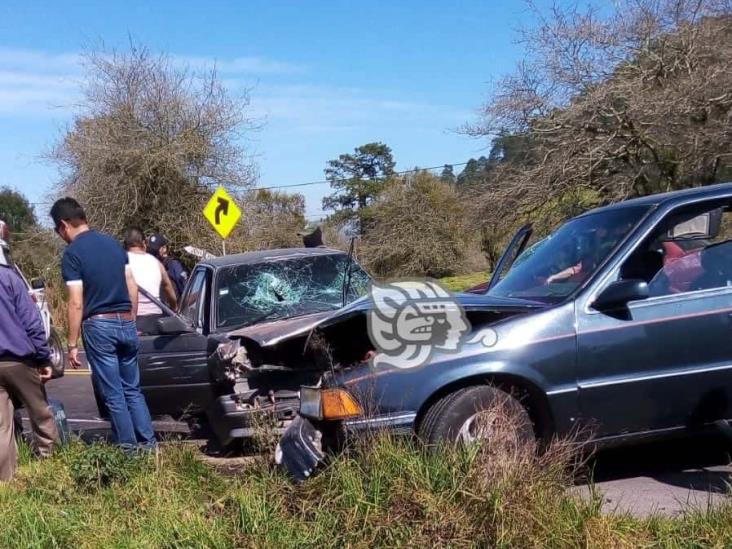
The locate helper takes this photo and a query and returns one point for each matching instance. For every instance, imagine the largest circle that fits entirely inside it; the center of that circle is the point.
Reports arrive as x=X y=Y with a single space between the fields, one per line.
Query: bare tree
x=149 y=142
x=272 y=219
x=613 y=106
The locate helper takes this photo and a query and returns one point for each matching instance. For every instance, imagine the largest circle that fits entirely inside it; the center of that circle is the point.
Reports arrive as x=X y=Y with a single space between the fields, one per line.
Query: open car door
x=512 y=252
x=173 y=361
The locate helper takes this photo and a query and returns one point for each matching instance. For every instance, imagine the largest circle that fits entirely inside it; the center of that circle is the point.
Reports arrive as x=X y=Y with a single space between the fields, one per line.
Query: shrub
x=418 y=227
x=100 y=465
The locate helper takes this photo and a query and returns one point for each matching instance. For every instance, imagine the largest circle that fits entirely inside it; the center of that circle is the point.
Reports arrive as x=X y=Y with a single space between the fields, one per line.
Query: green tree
x=358 y=178
x=474 y=172
x=448 y=174
x=509 y=147
x=16 y=211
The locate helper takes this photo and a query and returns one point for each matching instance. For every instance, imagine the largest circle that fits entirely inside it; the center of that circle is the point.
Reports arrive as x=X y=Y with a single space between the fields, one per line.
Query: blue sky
x=324 y=77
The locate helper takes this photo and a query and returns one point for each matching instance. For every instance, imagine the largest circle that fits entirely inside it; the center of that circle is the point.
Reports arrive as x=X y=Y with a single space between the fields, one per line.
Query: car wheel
x=477 y=413
x=58 y=358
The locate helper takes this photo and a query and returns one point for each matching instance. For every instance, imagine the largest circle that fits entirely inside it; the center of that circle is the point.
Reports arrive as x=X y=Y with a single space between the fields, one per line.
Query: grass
x=463 y=282
x=383 y=493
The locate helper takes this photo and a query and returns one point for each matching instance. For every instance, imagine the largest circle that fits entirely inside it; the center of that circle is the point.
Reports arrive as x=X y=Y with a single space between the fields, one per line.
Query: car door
x=174 y=372
x=661 y=363
x=510 y=254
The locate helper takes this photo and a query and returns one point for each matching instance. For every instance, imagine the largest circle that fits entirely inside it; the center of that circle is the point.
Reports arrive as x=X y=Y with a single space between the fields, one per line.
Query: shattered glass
x=248 y=294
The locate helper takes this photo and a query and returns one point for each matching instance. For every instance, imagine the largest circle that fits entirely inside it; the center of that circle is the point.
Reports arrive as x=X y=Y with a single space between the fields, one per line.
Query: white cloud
x=241 y=65
x=313 y=109
x=38 y=83
x=36 y=61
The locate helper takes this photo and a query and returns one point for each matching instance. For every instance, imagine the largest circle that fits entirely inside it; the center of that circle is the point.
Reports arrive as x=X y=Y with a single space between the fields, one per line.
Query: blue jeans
x=111 y=347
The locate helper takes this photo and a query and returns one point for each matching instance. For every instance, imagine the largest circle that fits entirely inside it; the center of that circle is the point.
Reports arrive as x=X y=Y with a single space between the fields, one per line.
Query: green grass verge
x=463 y=282
x=386 y=493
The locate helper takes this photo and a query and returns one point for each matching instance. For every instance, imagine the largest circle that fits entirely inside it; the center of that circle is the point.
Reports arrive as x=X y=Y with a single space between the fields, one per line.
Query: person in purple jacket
x=24 y=367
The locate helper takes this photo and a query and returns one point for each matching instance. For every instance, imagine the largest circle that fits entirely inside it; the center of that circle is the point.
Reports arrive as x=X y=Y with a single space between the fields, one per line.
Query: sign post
x=223 y=214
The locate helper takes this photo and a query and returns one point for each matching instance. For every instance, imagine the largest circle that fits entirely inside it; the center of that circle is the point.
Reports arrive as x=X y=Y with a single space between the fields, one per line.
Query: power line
x=323 y=181
x=320 y=182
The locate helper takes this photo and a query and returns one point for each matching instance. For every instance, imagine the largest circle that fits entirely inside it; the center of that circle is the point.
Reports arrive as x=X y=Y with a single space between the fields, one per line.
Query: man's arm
x=132 y=290
x=71 y=273
x=74 y=310
x=168 y=290
x=30 y=317
x=569 y=272
x=178 y=275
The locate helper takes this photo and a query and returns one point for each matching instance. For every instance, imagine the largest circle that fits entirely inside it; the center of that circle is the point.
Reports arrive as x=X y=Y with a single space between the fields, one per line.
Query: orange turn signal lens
x=338 y=404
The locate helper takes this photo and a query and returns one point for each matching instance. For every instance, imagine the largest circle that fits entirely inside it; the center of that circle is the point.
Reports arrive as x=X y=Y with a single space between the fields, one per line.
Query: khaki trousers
x=23 y=383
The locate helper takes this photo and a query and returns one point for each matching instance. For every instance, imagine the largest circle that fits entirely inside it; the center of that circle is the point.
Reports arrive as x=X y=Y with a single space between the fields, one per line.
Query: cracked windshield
x=248 y=294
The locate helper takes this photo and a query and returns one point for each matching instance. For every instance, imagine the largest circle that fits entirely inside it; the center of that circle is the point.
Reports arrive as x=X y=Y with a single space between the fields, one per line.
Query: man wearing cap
x=24 y=367
x=312 y=235
x=158 y=246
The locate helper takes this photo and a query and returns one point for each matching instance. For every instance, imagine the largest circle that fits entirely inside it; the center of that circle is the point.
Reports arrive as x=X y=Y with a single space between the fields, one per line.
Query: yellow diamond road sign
x=222 y=212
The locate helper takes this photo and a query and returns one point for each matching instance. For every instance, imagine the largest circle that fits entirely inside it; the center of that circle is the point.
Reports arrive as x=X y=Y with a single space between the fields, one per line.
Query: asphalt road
x=664 y=477
x=75 y=391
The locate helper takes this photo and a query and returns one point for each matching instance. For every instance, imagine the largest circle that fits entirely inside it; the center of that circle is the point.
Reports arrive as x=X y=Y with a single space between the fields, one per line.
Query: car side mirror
x=38 y=284
x=620 y=293
x=172 y=325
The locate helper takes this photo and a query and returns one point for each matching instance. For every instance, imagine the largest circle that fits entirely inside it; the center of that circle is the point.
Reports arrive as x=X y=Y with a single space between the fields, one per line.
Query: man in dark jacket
x=159 y=246
x=24 y=368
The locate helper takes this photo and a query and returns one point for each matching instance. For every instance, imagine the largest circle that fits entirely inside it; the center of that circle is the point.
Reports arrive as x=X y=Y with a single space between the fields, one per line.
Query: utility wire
x=321 y=182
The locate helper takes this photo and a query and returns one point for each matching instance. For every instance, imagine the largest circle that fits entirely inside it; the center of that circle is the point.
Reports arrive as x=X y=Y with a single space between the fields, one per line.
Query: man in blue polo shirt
x=103 y=300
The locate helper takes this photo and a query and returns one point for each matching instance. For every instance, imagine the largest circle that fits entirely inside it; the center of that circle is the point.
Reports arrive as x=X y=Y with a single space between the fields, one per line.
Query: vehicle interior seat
x=716 y=260
x=671 y=252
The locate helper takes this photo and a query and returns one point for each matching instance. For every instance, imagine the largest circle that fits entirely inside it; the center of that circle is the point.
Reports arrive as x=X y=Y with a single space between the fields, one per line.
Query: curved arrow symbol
x=222 y=208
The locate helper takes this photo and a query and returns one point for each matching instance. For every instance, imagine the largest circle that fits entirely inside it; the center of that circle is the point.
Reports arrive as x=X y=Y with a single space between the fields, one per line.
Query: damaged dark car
x=213 y=358
x=619 y=321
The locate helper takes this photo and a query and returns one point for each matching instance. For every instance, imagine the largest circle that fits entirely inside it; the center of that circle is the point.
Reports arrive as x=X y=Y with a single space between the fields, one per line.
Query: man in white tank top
x=151 y=276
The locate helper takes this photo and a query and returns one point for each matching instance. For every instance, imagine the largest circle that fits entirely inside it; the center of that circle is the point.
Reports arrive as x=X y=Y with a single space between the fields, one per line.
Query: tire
x=472 y=414
x=58 y=357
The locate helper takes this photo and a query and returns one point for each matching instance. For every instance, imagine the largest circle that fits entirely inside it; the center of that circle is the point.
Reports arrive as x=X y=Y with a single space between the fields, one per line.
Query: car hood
x=272 y=333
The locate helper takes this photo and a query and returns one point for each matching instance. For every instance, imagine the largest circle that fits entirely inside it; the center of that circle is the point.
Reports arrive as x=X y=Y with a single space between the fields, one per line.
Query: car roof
x=720 y=190
x=265 y=256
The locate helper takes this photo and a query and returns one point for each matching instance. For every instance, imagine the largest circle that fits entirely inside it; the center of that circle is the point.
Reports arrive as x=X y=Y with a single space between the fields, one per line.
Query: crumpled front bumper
x=300 y=449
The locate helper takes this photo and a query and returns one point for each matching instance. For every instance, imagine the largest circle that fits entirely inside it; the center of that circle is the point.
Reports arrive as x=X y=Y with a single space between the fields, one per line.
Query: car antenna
x=347 y=273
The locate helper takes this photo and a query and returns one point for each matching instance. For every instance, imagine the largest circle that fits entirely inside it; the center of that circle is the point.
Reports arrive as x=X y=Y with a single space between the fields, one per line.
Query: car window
x=556 y=266
x=687 y=252
x=192 y=303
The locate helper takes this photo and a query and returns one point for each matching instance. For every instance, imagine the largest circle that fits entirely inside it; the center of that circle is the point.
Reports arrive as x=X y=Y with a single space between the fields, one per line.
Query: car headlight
x=328 y=404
